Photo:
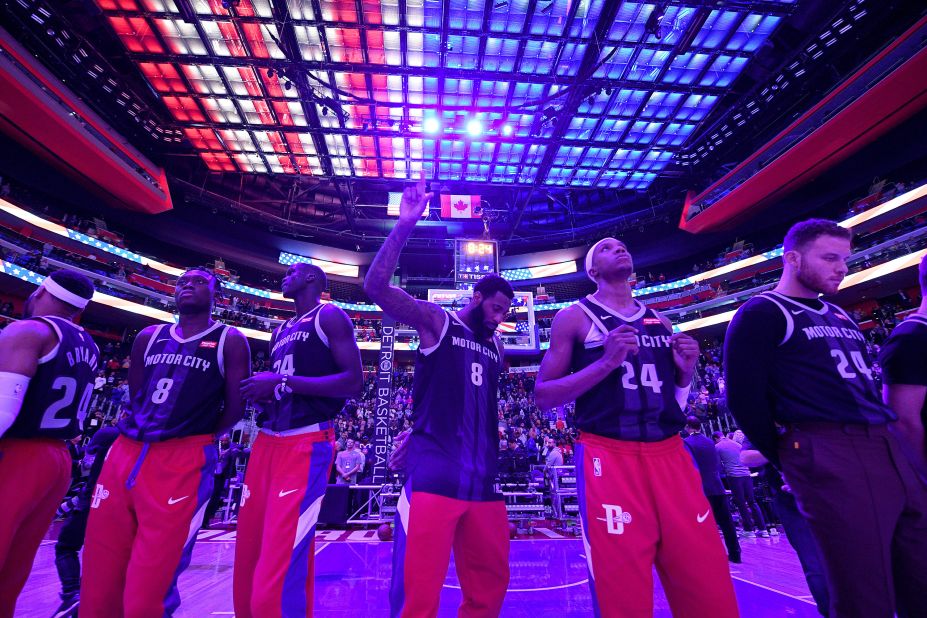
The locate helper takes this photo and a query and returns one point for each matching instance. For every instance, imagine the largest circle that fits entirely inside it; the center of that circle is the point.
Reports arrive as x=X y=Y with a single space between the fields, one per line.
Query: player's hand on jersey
x=261 y=387
x=397 y=459
x=685 y=353
x=414 y=201
x=619 y=344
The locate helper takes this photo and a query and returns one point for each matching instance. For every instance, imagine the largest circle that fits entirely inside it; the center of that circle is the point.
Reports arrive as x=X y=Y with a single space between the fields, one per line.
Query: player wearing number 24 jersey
x=152 y=493
x=47 y=366
x=316 y=366
x=801 y=386
x=640 y=497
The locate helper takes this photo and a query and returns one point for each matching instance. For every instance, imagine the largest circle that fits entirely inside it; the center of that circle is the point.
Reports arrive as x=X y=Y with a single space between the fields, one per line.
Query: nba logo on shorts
x=596 y=466
x=245 y=494
x=615 y=519
x=99 y=494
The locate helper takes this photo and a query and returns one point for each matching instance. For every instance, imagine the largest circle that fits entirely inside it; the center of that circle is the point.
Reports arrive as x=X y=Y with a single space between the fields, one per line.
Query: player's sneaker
x=69 y=606
x=763 y=534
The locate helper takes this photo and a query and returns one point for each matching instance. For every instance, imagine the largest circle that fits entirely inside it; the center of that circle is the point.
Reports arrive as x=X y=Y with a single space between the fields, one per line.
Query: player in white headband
x=47 y=368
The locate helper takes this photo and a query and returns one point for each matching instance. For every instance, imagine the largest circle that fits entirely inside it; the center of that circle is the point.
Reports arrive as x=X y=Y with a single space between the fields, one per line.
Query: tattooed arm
x=426 y=318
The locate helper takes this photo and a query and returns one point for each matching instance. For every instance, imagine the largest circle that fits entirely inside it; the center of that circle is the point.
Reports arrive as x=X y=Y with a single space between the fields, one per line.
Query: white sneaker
x=773 y=532
x=764 y=534
x=748 y=534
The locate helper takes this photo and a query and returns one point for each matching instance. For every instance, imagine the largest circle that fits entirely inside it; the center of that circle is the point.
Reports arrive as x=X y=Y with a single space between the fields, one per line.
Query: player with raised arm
x=449 y=500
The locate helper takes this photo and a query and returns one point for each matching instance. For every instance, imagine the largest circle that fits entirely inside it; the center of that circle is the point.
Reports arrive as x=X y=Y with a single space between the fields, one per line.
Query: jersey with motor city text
x=59 y=393
x=183 y=386
x=823 y=370
x=299 y=347
x=454 y=446
x=637 y=401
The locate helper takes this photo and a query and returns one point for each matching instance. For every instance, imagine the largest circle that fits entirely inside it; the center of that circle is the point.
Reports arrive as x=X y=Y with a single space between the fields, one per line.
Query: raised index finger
x=421 y=182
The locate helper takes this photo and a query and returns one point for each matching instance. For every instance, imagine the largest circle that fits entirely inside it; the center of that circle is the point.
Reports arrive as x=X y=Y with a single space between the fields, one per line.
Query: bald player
x=150 y=498
x=450 y=500
x=316 y=367
x=640 y=496
x=47 y=367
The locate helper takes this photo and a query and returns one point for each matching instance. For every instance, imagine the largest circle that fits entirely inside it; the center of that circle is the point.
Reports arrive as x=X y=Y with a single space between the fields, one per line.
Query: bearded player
x=640 y=496
x=47 y=367
x=152 y=493
x=450 y=500
x=316 y=367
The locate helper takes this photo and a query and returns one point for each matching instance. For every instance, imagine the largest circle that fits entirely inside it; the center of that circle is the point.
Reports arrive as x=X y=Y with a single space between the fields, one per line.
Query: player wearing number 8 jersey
x=47 y=367
x=316 y=366
x=150 y=498
x=800 y=384
x=449 y=500
x=640 y=496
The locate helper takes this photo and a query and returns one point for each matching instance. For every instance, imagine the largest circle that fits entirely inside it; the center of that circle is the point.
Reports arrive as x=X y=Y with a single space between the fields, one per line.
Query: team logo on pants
x=99 y=493
x=615 y=519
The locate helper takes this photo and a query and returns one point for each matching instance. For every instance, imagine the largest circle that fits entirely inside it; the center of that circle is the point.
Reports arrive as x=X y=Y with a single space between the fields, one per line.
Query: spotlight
x=271 y=72
x=325 y=111
x=506 y=129
x=287 y=85
x=474 y=127
x=431 y=125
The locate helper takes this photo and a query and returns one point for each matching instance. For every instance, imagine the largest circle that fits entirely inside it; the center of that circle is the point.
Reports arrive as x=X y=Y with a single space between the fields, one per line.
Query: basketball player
x=795 y=361
x=640 y=496
x=317 y=367
x=157 y=479
x=47 y=368
x=904 y=371
x=451 y=456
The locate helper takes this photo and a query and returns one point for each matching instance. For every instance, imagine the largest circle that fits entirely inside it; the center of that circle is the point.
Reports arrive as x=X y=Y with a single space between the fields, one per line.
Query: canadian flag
x=460 y=206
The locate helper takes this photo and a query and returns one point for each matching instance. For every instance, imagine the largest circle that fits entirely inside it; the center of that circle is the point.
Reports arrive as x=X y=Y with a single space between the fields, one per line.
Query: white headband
x=591 y=252
x=55 y=289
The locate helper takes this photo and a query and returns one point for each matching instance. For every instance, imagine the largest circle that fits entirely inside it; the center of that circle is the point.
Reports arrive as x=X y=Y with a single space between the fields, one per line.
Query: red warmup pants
x=145 y=511
x=275 y=545
x=34 y=477
x=641 y=504
x=428 y=527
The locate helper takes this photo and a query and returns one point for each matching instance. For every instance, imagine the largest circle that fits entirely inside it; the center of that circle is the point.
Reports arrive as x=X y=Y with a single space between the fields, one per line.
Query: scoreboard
x=473 y=259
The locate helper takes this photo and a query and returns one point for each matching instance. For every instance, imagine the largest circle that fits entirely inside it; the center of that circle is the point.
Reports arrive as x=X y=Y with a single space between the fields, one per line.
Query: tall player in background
x=450 y=500
x=640 y=496
x=800 y=384
x=317 y=366
x=149 y=501
x=47 y=368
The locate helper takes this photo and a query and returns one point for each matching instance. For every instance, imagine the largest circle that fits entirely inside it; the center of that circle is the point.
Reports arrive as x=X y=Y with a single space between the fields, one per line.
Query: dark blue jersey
x=183 y=387
x=822 y=371
x=637 y=401
x=60 y=391
x=903 y=356
x=454 y=447
x=299 y=347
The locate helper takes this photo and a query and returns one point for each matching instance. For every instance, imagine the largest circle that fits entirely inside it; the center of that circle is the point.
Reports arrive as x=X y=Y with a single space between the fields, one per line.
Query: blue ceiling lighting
x=327 y=90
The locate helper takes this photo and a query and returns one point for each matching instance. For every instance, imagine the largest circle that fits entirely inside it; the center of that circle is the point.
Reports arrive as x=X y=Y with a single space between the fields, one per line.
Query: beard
x=478 y=323
x=813 y=281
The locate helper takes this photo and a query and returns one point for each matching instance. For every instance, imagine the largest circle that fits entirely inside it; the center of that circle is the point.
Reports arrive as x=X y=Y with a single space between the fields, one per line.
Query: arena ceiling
x=558 y=112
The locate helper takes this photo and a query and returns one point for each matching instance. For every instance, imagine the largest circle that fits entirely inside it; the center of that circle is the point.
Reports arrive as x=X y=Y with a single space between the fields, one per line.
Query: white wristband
x=682 y=396
x=13 y=388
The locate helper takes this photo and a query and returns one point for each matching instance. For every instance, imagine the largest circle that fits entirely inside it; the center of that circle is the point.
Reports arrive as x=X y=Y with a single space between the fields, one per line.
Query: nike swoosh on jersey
x=799 y=312
x=285 y=493
x=172 y=500
x=702 y=518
